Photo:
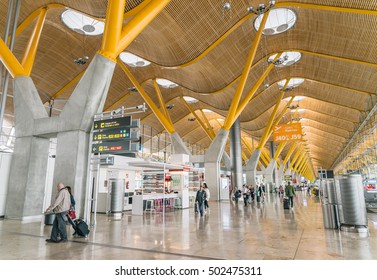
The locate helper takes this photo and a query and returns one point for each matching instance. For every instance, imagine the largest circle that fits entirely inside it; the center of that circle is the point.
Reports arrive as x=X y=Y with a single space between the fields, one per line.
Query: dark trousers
x=291 y=200
x=59 y=227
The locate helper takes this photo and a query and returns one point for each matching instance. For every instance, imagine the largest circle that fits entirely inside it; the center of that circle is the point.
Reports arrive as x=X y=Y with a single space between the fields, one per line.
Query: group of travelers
x=249 y=194
x=63 y=203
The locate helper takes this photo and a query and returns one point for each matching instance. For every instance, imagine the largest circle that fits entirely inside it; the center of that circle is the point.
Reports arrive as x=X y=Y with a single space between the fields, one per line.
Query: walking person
x=246 y=194
x=290 y=192
x=199 y=199
x=60 y=207
x=206 y=189
x=72 y=208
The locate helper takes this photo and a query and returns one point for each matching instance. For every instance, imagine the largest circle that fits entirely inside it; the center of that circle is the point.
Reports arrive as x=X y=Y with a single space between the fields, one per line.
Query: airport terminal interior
x=136 y=104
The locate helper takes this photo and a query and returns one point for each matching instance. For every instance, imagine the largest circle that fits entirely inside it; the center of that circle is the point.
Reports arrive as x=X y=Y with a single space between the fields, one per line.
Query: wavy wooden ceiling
x=203 y=48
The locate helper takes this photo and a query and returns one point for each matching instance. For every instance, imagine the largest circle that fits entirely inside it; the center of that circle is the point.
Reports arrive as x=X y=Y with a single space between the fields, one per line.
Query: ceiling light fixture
x=262 y=8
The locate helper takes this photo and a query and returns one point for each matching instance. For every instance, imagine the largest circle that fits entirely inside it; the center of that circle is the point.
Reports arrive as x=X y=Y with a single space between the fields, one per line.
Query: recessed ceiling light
x=279 y=20
x=133 y=60
x=82 y=24
x=166 y=83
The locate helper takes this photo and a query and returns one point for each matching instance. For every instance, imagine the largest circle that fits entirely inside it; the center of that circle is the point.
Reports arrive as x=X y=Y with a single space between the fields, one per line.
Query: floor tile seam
x=298 y=245
x=127 y=248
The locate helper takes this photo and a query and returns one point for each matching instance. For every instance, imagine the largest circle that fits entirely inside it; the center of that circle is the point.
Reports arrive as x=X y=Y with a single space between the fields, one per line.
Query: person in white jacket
x=60 y=208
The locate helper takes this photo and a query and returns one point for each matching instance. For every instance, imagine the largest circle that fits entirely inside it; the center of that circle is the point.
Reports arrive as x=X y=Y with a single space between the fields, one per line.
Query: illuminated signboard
x=112 y=123
x=112 y=134
x=111 y=147
x=287 y=132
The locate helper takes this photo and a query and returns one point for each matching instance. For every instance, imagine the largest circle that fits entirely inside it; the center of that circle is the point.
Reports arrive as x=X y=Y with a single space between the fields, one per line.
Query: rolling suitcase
x=286 y=203
x=81 y=227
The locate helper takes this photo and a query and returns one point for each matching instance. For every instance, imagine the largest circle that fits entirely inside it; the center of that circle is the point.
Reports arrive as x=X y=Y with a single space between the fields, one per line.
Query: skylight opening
x=279 y=20
x=133 y=60
x=82 y=24
x=293 y=82
x=166 y=83
x=286 y=59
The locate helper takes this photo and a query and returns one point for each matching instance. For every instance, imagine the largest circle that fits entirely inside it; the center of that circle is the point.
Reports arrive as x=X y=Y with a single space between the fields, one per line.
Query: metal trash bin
x=330 y=216
x=49 y=219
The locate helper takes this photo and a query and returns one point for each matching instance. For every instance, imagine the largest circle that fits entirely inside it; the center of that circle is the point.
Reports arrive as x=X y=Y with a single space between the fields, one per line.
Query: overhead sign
x=112 y=123
x=111 y=147
x=112 y=134
x=287 y=132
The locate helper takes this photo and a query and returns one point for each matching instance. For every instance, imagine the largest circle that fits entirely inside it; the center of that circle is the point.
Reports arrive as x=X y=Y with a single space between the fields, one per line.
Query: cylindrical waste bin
x=117 y=197
x=49 y=219
x=353 y=216
x=331 y=191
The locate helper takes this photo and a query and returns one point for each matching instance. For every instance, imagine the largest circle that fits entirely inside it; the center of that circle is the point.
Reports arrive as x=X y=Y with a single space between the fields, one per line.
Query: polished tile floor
x=260 y=231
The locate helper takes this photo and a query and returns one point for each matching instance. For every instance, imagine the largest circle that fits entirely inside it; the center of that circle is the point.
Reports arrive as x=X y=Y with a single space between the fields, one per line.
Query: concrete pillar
x=251 y=168
x=71 y=163
x=269 y=175
x=27 y=174
x=212 y=163
x=29 y=167
x=235 y=154
x=178 y=145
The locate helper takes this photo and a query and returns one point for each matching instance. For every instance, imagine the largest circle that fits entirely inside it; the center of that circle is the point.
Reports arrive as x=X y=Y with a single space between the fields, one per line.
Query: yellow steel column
x=266 y=133
x=290 y=152
x=134 y=27
x=209 y=134
x=298 y=151
x=113 y=28
x=161 y=101
x=264 y=158
x=10 y=62
x=296 y=161
x=31 y=48
x=230 y=118
x=209 y=127
x=250 y=94
x=160 y=116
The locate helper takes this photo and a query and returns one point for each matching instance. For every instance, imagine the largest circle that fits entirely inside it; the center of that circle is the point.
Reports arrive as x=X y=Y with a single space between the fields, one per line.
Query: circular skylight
x=82 y=24
x=220 y=119
x=133 y=60
x=190 y=99
x=166 y=83
x=286 y=59
x=294 y=82
x=279 y=20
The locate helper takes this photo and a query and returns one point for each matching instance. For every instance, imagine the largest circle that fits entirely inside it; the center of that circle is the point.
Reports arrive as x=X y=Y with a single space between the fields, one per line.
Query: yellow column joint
x=10 y=62
x=113 y=29
x=31 y=48
x=230 y=118
x=134 y=27
x=160 y=116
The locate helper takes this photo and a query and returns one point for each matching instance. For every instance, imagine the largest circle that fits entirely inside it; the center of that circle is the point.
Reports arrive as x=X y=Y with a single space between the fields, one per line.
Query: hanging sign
x=287 y=132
